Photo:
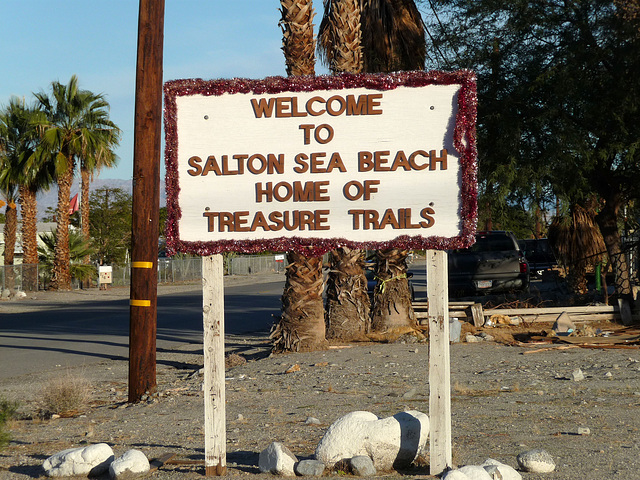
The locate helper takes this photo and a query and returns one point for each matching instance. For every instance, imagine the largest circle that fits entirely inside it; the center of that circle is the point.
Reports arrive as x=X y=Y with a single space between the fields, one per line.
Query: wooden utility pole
x=146 y=199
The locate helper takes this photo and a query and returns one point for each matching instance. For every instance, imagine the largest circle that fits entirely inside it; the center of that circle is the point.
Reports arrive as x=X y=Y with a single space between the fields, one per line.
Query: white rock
x=93 y=460
x=278 y=460
x=390 y=442
x=455 y=475
x=536 y=461
x=475 y=472
x=577 y=375
x=507 y=472
x=130 y=463
x=20 y=294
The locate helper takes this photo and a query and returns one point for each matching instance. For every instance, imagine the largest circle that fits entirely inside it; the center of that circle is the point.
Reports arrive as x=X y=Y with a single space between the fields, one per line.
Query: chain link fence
x=19 y=277
x=170 y=270
x=189 y=269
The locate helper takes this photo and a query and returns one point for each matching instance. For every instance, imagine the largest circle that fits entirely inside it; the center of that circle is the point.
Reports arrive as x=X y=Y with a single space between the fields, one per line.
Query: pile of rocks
x=358 y=443
x=95 y=460
x=362 y=444
x=534 y=461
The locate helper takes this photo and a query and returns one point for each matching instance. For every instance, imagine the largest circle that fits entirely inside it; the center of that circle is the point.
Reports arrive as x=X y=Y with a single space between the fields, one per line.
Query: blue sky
x=49 y=40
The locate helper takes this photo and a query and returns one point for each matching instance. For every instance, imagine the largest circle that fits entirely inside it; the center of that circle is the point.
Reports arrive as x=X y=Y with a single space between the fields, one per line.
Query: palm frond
x=339 y=36
x=393 y=36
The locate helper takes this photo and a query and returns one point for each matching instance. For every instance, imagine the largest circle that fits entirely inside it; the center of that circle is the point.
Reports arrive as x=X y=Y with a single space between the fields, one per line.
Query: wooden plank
x=587 y=309
x=215 y=433
x=156 y=463
x=439 y=363
x=596 y=317
x=477 y=314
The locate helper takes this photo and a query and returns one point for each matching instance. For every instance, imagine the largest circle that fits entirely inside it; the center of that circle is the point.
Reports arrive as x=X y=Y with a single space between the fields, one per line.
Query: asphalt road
x=51 y=333
x=48 y=332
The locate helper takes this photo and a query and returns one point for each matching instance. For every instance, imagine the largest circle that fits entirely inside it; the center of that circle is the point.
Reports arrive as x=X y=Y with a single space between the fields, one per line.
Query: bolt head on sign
x=313 y=163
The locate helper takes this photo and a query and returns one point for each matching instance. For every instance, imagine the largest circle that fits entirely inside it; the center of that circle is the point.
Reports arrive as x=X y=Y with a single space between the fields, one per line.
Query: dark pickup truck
x=539 y=255
x=494 y=264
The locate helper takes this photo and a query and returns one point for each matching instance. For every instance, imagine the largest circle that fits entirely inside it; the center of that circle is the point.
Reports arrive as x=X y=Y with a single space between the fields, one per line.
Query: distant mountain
x=50 y=198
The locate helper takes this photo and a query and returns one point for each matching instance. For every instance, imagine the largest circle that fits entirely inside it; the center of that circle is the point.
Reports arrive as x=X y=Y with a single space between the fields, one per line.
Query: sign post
x=215 y=434
x=440 y=457
x=316 y=163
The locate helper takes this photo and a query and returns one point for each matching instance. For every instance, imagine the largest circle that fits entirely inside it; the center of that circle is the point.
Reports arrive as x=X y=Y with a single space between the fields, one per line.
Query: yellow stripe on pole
x=142 y=264
x=140 y=303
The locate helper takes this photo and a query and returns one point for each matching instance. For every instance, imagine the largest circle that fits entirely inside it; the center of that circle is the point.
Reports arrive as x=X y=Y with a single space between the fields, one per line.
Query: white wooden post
x=215 y=433
x=439 y=362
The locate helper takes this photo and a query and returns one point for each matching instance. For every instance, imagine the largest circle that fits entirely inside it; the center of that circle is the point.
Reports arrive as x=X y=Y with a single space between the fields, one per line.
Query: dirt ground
x=506 y=399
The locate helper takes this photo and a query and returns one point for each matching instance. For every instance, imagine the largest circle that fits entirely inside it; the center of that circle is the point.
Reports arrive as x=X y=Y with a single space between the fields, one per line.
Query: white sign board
x=367 y=161
x=104 y=274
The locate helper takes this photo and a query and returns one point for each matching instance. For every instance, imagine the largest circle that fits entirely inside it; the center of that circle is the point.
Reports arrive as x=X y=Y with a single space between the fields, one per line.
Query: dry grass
x=7 y=411
x=66 y=396
x=462 y=390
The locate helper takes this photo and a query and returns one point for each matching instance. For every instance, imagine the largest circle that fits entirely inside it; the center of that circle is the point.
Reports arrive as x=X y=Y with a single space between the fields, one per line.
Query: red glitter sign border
x=464 y=141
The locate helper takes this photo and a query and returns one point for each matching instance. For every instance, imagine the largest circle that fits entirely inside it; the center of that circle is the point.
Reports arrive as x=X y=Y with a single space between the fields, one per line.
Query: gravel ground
x=504 y=402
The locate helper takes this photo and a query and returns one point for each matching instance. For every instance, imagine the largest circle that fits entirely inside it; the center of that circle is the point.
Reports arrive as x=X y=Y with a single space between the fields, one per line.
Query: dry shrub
x=7 y=411
x=67 y=396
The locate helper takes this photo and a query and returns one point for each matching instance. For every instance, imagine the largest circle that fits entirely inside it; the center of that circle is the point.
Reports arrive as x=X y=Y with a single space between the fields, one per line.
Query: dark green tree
x=558 y=102
x=110 y=224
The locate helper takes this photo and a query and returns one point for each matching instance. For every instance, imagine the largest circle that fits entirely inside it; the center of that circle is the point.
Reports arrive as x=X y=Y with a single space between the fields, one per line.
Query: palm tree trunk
x=61 y=273
x=340 y=36
x=607 y=220
x=85 y=176
x=301 y=327
x=298 y=43
x=10 y=231
x=392 y=310
x=348 y=303
x=29 y=210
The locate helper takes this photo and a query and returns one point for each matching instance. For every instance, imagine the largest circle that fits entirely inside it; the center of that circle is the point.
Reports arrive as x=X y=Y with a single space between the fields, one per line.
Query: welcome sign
x=367 y=161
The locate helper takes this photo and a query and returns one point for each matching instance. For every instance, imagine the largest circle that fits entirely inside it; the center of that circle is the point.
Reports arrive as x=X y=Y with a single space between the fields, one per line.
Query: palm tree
x=79 y=249
x=20 y=139
x=12 y=148
x=393 y=36
x=384 y=36
x=301 y=326
x=348 y=305
x=577 y=240
x=77 y=125
x=10 y=193
x=339 y=36
x=298 y=43
x=93 y=161
x=392 y=310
